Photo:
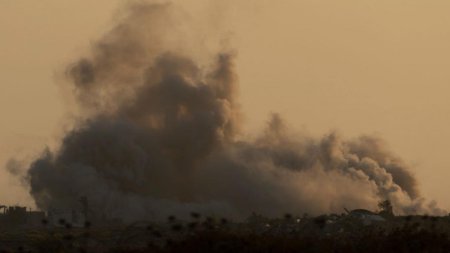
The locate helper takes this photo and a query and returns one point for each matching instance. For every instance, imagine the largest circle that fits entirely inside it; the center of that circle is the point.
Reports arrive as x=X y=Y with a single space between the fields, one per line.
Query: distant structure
x=19 y=217
x=75 y=217
x=61 y=218
x=366 y=216
x=12 y=217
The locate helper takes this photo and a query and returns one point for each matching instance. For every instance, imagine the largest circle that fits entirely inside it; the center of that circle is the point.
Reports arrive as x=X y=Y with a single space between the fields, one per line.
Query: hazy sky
x=355 y=66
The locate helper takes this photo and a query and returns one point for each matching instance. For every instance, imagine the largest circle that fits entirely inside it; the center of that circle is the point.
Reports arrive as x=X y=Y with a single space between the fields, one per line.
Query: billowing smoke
x=159 y=134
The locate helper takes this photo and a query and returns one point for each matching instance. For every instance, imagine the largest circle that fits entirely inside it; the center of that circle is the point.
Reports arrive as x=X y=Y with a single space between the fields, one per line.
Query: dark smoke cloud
x=159 y=135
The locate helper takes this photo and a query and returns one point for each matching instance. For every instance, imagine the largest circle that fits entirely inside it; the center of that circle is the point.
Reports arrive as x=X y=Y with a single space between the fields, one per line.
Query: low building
x=20 y=217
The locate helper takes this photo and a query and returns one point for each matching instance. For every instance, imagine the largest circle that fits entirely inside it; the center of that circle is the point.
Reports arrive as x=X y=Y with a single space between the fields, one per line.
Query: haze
x=360 y=67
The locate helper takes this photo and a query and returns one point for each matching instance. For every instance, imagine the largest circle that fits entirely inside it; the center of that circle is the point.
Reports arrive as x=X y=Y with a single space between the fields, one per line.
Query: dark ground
x=327 y=233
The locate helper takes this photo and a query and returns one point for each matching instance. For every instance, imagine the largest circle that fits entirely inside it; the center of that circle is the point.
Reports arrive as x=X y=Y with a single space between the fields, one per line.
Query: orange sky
x=356 y=66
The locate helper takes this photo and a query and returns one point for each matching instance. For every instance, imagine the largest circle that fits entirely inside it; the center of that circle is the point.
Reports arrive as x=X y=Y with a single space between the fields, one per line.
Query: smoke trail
x=159 y=132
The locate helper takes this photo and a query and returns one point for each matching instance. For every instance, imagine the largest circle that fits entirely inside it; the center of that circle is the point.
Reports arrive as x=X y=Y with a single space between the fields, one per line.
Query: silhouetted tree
x=386 y=208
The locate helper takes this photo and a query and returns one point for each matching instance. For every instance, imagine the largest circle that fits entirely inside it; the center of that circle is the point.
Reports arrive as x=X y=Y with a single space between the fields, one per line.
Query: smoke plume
x=159 y=134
